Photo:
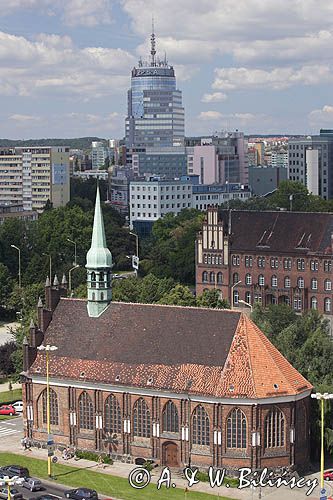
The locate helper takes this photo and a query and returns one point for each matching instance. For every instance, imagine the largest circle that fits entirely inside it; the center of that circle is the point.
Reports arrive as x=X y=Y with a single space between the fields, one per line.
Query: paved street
x=10 y=440
x=5 y=335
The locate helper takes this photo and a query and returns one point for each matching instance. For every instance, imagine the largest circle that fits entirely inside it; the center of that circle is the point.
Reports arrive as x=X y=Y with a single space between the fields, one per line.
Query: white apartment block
x=33 y=175
x=151 y=200
x=99 y=154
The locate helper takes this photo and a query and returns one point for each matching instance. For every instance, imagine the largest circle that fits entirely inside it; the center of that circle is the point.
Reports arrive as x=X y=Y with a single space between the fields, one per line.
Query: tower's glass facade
x=155 y=112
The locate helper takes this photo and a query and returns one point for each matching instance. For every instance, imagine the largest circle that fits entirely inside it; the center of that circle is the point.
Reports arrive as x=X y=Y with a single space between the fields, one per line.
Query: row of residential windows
x=287 y=263
x=236 y=426
x=286 y=281
x=297 y=300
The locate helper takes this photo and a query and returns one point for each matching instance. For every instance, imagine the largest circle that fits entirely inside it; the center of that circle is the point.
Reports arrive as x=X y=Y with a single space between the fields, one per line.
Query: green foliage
x=148 y=466
x=6 y=283
x=149 y=289
x=86 y=189
x=6 y=363
x=94 y=457
x=170 y=252
x=75 y=143
x=212 y=299
x=305 y=342
x=180 y=295
x=8 y=397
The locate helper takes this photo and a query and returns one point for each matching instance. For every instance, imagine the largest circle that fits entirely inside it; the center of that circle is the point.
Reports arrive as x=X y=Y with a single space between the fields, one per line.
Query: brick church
x=179 y=385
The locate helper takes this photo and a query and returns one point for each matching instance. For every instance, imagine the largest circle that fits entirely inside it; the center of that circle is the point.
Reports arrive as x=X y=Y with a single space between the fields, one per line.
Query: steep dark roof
x=162 y=347
x=287 y=232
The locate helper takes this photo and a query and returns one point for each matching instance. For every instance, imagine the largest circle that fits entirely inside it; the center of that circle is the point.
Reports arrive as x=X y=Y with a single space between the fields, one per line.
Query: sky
x=261 y=66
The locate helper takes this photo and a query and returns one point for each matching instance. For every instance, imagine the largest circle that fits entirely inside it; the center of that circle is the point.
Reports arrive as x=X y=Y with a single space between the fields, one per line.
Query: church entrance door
x=170 y=454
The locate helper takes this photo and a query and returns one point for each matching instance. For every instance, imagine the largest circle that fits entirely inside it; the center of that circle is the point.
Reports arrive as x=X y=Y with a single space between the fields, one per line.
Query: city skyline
x=258 y=67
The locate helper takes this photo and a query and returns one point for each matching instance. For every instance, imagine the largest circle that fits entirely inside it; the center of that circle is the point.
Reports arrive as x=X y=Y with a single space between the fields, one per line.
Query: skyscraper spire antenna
x=153 y=44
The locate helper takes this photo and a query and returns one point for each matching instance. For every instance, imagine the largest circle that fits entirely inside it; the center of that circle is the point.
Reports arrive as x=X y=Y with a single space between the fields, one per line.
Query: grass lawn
x=103 y=483
x=10 y=396
x=7 y=417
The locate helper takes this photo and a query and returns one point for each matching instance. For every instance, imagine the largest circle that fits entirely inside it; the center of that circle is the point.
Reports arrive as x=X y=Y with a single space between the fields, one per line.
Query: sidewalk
x=122 y=470
x=5 y=387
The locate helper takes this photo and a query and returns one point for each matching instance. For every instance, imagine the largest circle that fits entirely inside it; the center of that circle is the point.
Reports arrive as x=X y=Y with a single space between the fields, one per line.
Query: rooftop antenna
x=165 y=59
x=153 y=44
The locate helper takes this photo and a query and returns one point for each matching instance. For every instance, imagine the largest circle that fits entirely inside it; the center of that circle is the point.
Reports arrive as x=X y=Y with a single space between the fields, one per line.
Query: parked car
x=7 y=410
x=81 y=494
x=14 y=470
x=328 y=475
x=47 y=496
x=18 y=405
x=14 y=494
x=32 y=484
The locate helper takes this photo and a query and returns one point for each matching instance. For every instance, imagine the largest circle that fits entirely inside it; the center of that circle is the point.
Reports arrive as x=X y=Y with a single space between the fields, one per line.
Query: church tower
x=99 y=264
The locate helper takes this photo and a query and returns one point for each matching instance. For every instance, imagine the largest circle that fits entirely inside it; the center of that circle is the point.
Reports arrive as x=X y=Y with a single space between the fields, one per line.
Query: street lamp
x=188 y=387
x=50 y=264
x=70 y=278
x=19 y=257
x=48 y=348
x=246 y=303
x=137 y=242
x=74 y=243
x=232 y=293
x=9 y=482
x=321 y=398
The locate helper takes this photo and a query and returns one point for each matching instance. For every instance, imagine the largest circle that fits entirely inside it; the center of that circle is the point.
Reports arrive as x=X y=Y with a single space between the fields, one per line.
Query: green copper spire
x=99 y=256
x=99 y=264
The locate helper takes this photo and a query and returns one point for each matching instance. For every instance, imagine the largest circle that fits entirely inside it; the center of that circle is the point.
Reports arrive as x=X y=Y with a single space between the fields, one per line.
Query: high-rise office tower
x=155 y=112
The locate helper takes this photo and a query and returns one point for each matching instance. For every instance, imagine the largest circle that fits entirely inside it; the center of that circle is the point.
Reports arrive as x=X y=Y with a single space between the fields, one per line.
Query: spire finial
x=153 y=43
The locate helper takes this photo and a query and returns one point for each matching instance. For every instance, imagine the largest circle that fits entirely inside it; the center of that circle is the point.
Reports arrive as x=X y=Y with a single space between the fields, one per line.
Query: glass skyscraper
x=155 y=112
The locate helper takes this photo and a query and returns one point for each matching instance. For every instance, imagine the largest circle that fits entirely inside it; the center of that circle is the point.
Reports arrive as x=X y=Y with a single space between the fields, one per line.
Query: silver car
x=32 y=484
x=14 y=494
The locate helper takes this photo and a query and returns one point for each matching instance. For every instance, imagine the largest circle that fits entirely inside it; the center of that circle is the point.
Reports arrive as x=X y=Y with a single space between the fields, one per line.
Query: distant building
x=268 y=258
x=205 y=195
x=221 y=158
x=99 y=155
x=92 y=174
x=264 y=180
x=152 y=199
x=280 y=159
x=311 y=163
x=34 y=175
x=16 y=211
x=118 y=192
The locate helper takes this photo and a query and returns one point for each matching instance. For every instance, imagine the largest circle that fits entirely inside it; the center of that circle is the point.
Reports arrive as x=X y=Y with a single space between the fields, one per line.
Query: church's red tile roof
x=222 y=352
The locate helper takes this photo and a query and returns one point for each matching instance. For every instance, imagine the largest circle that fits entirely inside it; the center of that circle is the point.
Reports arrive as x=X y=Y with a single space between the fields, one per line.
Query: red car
x=7 y=410
x=328 y=475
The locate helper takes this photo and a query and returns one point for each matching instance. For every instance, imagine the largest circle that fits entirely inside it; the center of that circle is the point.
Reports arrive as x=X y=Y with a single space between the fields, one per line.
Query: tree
x=6 y=364
x=180 y=295
x=6 y=284
x=212 y=299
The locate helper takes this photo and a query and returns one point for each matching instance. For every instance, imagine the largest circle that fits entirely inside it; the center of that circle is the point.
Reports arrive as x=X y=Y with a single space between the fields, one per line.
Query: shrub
x=94 y=457
x=148 y=466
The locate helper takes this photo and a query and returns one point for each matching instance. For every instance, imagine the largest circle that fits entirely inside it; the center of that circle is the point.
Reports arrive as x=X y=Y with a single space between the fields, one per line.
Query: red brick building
x=179 y=385
x=268 y=257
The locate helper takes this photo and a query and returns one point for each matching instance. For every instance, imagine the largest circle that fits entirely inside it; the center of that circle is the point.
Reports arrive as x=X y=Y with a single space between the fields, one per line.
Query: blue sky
x=256 y=65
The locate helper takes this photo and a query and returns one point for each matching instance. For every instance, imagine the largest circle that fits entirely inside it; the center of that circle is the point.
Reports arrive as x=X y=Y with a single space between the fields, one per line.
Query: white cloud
x=24 y=118
x=73 y=12
x=276 y=79
x=320 y=117
x=210 y=115
x=215 y=97
x=53 y=65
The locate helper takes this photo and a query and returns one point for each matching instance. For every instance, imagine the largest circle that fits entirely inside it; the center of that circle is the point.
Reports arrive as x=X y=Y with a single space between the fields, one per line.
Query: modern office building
x=155 y=115
x=118 y=191
x=152 y=199
x=204 y=195
x=264 y=179
x=220 y=158
x=311 y=162
x=34 y=175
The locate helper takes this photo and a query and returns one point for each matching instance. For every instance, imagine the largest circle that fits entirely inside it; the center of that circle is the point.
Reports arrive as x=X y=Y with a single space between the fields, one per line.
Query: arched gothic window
x=141 y=419
x=170 y=417
x=314 y=303
x=112 y=415
x=274 y=429
x=86 y=412
x=101 y=276
x=235 y=278
x=54 y=411
x=236 y=429
x=212 y=277
x=205 y=277
x=327 y=304
x=200 y=426
x=220 y=278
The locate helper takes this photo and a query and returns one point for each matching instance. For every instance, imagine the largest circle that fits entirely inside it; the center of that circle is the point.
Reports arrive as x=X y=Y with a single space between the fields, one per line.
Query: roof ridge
x=159 y=305
x=244 y=318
